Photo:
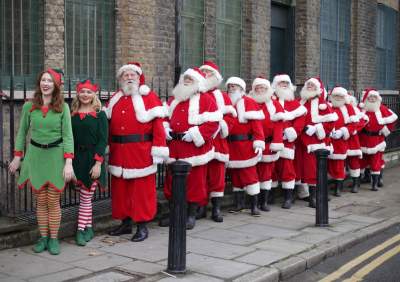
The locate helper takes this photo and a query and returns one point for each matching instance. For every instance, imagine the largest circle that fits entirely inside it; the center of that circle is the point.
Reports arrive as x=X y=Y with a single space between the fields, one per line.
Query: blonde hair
x=76 y=104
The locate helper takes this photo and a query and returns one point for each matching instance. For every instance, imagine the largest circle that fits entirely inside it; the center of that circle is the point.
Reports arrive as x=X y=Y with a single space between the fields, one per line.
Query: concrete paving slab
x=62 y=275
x=147 y=250
x=101 y=262
x=362 y=218
x=282 y=245
x=265 y=230
x=11 y=279
x=233 y=237
x=347 y=226
x=192 y=277
x=262 y=257
x=141 y=267
x=313 y=237
x=291 y=224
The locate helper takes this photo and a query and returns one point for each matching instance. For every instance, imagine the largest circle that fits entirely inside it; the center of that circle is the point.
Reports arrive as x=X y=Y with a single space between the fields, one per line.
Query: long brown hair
x=57 y=100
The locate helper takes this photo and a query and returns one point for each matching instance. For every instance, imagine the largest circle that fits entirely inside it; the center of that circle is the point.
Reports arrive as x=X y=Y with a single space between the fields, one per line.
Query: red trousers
x=353 y=163
x=298 y=160
x=196 y=188
x=135 y=198
x=264 y=171
x=336 y=169
x=284 y=172
x=215 y=180
x=308 y=168
x=375 y=162
x=246 y=179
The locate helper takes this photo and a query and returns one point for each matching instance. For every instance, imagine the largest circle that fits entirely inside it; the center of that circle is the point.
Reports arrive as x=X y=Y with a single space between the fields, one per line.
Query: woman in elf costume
x=47 y=165
x=90 y=128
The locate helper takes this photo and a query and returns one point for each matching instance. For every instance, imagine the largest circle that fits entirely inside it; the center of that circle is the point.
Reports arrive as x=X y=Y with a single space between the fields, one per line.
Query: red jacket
x=354 y=145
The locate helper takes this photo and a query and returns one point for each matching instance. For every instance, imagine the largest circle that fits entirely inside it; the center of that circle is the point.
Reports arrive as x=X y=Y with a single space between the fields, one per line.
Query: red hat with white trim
x=211 y=66
x=369 y=92
x=237 y=81
x=260 y=80
x=198 y=76
x=136 y=67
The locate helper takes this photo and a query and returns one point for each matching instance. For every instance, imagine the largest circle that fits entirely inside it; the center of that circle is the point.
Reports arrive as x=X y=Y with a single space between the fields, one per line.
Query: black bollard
x=177 y=219
x=321 y=212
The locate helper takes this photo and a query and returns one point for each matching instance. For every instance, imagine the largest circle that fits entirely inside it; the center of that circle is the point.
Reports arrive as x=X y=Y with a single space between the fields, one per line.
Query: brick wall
x=210 y=44
x=54 y=34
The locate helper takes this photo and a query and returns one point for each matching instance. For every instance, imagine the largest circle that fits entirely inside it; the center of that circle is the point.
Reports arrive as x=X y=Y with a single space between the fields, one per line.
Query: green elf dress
x=43 y=167
x=90 y=132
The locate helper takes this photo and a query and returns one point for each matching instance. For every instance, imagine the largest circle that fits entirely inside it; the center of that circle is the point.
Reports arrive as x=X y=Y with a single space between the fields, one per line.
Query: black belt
x=177 y=136
x=370 y=133
x=46 y=146
x=268 y=139
x=132 y=138
x=82 y=147
x=240 y=137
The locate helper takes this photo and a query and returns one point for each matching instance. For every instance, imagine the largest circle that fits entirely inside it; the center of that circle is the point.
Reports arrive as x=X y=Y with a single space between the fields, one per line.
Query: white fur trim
x=129 y=173
x=322 y=107
x=314 y=81
x=215 y=72
x=337 y=156
x=274 y=184
x=237 y=189
x=375 y=172
x=243 y=116
x=345 y=114
x=339 y=91
x=195 y=75
x=385 y=120
x=196 y=160
x=373 y=150
x=361 y=105
x=266 y=185
x=158 y=151
x=287 y=153
x=230 y=110
x=314 y=147
x=252 y=189
x=260 y=81
x=302 y=191
x=198 y=139
x=144 y=89
x=345 y=131
x=274 y=116
x=237 y=81
x=290 y=134
x=280 y=77
x=219 y=98
x=320 y=131
x=259 y=144
x=316 y=117
x=354 y=172
x=224 y=158
x=126 y=67
x=243 y=163
x=288 y=184
x=354 y=153
x=385 y=131
x=276 y=147
x=270 y=158
x=224 y=128
x=216 y=194
x=300 y=111
x=166 y=124
x=114 y=99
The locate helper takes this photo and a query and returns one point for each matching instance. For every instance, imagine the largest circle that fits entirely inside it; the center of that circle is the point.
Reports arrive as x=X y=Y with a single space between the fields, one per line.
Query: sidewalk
x=275 y=246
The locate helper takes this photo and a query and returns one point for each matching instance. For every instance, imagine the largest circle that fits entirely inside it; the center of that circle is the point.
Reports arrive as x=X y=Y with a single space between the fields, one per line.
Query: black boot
x=295 y=192
x=338 y=188
x=271 y=197
x=253 y=206
x=141 y=233
x=262 y=200
x=164 y=220
x=201 y=212
x=380 y=179
x=238 y=202
x=375 y=180
x=312 y=200
x=288 y=195
x=124 y=228
x=191 y=218
x=367 y=176
x=356 y=185
x=216 y=214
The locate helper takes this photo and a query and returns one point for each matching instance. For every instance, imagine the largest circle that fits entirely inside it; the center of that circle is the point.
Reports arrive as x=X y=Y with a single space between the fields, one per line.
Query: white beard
x=286 y=94
x=306 y=94
x=182 y=92
x=130 y=87
x=337 y=104
x=235 y=96
x=263 y=97
x=372 y=107
x=212 y=82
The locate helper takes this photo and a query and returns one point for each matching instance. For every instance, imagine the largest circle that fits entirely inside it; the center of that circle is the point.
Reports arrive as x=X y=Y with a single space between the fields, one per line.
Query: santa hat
x=350 y=96
x=279 y=78
x=237 y=81
x=211 y=66
x=260 y=80
x=369 y=92
x=86 y=84
x=57 y=75
x=322 y=91
x=338 y=90
x=136 y=67
x=198 y=76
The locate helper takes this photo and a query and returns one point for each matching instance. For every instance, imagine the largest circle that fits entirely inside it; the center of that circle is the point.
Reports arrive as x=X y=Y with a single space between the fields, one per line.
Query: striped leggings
x=85 y=207
x=48 y=212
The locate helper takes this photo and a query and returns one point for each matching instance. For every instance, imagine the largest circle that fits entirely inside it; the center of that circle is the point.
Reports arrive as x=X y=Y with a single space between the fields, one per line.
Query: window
x=90 y=41
x=229 y=37
x=386 y=42
x=21 y=42
x=335 y=42
x=192 y=41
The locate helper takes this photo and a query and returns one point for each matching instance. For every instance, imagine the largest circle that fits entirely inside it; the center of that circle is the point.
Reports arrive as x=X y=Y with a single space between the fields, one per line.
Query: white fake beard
x=263 y=97
x=235 y=96
x=337 y=104
x=372 y=107
x=286 y=94
x=130 y=87
x=307 y=94
x=182 y=92
x=212 y=82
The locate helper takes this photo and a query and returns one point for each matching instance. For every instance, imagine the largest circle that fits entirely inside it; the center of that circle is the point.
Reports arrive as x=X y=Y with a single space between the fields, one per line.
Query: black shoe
x=141 y=233
x=216 y=214
x=271 y=197
x=366 y=177
x=380 y=179
x=312 y=200
x=338 y=188
x=124 y=228
x=238 y=202
x=191 y=219
x=288 y=195
x=356 y=185
x=201 y=212
x=262 y=200
x=164 y=221
x=375 y=180
x=253 y=206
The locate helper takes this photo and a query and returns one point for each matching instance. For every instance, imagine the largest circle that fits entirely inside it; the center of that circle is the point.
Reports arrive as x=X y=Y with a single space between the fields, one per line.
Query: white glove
x=157 y=160
x=168 y=130
x=289 y=134
x=384 y=131
x=187 y=137
x=337 y=134
x=311 y=129
x=259 y=152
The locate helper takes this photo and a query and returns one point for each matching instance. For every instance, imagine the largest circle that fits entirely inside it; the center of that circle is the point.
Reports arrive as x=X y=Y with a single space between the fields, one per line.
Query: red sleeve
x=68 y=155
x=18 y=153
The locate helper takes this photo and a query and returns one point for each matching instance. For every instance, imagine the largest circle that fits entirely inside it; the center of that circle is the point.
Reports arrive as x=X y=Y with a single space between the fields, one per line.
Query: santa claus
x=372 y=137
x=137 y=144
x=246 y=145
x=262 y=93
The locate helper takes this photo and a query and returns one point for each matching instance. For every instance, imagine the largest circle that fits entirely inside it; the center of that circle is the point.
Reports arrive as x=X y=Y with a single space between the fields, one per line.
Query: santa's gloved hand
x=289 y=134
x=337 y=134
x=168 y=131
x=187 y=137
x=311 y=129
x=157 y=160
x=384 y=131
x=259 y=152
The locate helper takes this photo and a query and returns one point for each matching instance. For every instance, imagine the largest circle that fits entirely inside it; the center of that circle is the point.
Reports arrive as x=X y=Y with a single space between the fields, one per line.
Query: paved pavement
x=279 y=244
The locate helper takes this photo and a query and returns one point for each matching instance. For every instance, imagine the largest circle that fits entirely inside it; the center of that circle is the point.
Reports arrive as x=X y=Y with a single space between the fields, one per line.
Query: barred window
x=335 y=42
x=229 y=37
x=192 y=30
x=21 y=42
x=90 y=42
x=386 y=42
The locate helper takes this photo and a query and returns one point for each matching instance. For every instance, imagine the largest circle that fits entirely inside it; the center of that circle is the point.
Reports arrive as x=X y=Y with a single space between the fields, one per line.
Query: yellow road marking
x=348 y=266
x=360 y=274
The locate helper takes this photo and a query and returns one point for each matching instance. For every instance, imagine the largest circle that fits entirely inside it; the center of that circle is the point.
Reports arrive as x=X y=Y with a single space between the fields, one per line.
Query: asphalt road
x=374 y=260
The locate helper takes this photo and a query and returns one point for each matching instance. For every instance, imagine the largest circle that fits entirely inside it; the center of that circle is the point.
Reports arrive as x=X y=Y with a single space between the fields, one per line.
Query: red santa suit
x=136 y=137
x=372 y=137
